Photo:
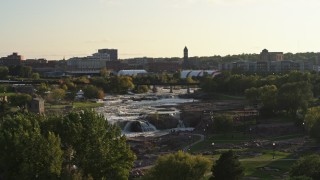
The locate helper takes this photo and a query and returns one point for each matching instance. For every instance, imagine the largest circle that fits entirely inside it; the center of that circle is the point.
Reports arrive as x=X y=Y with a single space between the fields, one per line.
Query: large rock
x=191 y=118
x=163 y=121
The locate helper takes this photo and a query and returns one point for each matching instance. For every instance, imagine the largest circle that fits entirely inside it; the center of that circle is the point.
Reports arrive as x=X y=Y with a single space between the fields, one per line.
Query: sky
x=54 y=29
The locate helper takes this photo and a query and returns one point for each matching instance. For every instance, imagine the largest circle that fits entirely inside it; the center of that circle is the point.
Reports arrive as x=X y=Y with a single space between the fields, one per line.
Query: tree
x=294 y=96
x=35 y=76
x=312 y=122
x=96 y=147
x=4 y=108
x=268 y=96
x=227 y=167
x=57 y=94
x=223 y=123
x=21 y=71
x=307 y=166
x=4 y=71
x=104 y=72
x=25 y=152
x=20 y=100
x=42 y=89
x=120 y=84
x=300 y=178
x=93 y=92
x=252 y=94
x=311 y=118
x=142 y=89
x=179 y=165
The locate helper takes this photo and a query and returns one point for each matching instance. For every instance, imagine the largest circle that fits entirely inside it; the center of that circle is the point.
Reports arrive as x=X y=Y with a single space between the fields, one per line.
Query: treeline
x=18 y=71
x=76 y=146
x=276 y=93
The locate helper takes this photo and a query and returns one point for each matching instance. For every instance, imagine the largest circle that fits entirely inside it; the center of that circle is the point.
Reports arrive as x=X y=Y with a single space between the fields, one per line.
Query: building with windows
x=88 y=65
x=113 y=53
x=12 y=60
x=265 y=55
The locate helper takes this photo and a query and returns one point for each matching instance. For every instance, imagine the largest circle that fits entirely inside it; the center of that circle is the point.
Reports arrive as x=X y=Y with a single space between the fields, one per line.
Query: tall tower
x=185 y=57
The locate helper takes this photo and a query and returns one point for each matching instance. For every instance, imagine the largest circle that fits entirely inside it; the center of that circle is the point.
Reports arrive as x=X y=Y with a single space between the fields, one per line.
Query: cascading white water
x=139 y=126
x=181 y=124
x=122 y=110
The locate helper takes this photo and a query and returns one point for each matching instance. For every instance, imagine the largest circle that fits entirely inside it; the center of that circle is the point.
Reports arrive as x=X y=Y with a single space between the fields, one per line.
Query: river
x=126 y=109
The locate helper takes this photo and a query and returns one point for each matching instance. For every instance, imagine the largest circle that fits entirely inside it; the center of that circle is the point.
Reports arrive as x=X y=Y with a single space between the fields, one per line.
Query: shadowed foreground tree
x=179 y=166
x=308 y=166
x=227 y=167
x=25 y=152
x=94 y=146
x=77 y=146
x=312 y=122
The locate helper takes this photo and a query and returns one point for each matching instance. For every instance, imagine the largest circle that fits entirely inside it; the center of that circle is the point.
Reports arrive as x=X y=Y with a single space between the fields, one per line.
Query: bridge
x=54 y=81
x=22 y=82
x=154 y=84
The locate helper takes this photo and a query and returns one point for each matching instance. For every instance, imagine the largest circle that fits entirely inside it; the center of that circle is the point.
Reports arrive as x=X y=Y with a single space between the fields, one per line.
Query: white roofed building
x=198 y=73
x=132 y=72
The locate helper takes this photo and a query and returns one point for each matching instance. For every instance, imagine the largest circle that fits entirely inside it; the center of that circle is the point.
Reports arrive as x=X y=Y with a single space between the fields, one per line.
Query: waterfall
x=139 y=126
x=181 y=124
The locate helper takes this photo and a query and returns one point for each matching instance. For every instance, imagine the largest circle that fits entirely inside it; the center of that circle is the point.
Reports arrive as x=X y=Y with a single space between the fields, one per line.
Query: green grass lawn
x=76 y=105
x=267 y=169
x=262 y=166
x=7 y=94
x=234 y=138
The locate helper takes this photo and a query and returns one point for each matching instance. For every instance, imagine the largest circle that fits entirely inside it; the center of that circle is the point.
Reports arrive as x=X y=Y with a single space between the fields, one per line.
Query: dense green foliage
x=300 y=178
x=179 y=165
x=20 y=71
x=57 y=95
x=308 y=166
x=96 y=147
x=78 y=145
x=227 y=167
x=290 y=92
x=312 y=122
x=91 y=92
x=4 y=71
x=20 y=100
x=25 y=152
x=223 y=123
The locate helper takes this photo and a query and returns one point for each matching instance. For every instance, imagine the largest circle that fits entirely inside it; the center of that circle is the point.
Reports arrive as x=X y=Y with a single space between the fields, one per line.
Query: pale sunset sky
x=54 y=29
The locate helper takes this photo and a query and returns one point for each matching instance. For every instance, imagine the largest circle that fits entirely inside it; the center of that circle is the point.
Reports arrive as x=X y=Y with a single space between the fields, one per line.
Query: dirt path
x=185 y=149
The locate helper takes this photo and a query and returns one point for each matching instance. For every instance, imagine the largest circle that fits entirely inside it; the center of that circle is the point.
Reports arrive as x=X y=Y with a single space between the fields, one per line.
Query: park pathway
x=185 y=149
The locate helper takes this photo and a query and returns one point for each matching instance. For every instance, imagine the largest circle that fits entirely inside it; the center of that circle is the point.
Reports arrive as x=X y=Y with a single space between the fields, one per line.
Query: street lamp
x=212 y=149
x=274 y=147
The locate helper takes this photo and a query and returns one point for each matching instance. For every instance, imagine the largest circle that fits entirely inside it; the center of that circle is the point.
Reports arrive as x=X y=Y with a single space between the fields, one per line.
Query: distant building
x=198 y=73
x=186 y=63
x=132 y=72
x=12 y=60
x=113 y=53
x=79 y=95
x=265 y=66
x=88 y=65
x=116 y=65
x=164 y=66
x=265 y=55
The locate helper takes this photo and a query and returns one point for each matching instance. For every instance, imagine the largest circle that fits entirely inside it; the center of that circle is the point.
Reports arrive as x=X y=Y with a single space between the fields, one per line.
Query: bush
x=227 y=167
x=179 y=166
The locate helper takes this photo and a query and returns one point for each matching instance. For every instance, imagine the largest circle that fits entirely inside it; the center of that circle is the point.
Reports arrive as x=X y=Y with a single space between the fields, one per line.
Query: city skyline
x=161 y=28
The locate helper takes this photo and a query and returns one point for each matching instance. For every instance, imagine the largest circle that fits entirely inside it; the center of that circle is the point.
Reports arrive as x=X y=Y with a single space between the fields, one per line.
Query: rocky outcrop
x=163 y=121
